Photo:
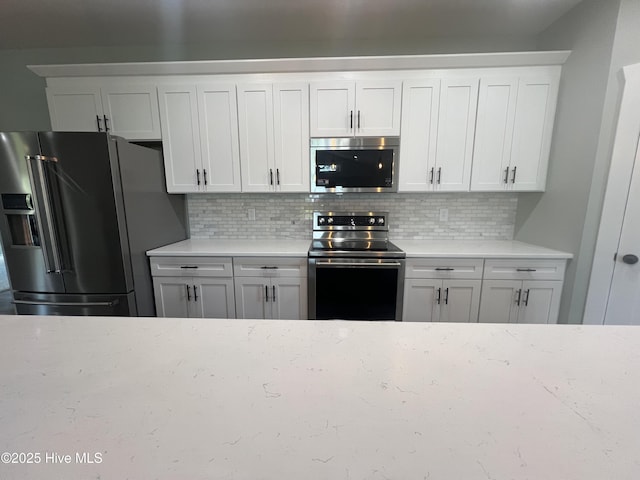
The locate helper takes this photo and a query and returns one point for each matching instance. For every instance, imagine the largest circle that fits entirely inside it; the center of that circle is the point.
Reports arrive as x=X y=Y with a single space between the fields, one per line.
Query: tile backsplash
x=471 y=216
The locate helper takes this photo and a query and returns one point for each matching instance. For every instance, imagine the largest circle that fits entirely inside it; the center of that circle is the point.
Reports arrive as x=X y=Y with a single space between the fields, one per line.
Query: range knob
x=330 y=220
x=380 y=220
x=321 y=220
x=372 y=220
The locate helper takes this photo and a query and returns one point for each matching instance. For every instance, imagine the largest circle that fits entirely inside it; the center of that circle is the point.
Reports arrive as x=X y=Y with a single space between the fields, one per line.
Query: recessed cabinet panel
x=460 y=301
x=494 y=132
x=214 y=298
x=132 y=111
x=75 y=109
x=171 y=297
x=180 y=138
x=540 y=302
x=456 y=128
x=255 y=120
x=291 y=137
x=218 y=116
x=332 y=109
x=420 y=103
x=377 y=109
x=420 y=300
x=498 y=304
x=532 y=132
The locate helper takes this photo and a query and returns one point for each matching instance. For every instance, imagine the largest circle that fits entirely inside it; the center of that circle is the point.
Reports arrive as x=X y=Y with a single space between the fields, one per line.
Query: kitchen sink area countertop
x=172 y=398
x=413 y=248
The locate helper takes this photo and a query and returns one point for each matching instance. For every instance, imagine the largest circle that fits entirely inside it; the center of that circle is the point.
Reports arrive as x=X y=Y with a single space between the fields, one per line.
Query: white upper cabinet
x=200 y=138
x=274 y=137
x=218 y=121
x=513 y=132
x=363 y=108
x=291 y=136
x=129 y=111
x=438 y=124
x=181 y=138
x=74 y=109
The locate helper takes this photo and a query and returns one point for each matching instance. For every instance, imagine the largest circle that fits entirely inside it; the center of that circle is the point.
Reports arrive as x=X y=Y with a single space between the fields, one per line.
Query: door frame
x=623 y=156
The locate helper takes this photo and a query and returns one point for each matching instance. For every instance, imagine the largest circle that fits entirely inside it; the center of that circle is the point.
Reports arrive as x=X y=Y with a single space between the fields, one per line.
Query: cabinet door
x=171 y=296
x=132 y=111
x=456 y=128
x=421 y=300
x=289 y=298
x=499 y=301
x=420 y=101
x=253 y=297
x=494 y=133
x=332 y=109
x=180 y=138
x=255 y=120
x=291 y=131
x=75 y=109
x=378 y=109
x=218 y=120
x=540 y=301
x=535 y=112
x=214 y=298
x=460 y=301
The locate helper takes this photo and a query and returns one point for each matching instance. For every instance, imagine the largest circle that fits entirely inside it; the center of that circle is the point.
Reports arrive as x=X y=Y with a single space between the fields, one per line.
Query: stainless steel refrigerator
x=78 y=212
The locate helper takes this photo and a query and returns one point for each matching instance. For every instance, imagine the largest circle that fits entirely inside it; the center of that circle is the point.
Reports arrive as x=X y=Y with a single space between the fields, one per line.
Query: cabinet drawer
x=524 y=269
x=269 y=267
x=468 y=268
x=191 y=267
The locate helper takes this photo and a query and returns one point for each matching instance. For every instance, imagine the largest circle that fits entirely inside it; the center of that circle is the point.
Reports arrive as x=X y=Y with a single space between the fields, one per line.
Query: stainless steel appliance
x=355 y=272
x=355 y=164
x=78 y=212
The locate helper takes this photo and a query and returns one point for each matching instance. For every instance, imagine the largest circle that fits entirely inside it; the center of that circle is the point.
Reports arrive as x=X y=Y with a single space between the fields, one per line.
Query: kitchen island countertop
x=169 y=398
x=413 y=248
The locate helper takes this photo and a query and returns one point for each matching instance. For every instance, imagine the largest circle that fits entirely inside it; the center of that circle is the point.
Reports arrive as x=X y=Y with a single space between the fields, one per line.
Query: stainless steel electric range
x=355 y=272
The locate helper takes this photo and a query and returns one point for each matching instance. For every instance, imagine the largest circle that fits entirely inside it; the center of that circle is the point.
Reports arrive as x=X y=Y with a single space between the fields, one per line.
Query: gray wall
x=604 y=36
x=22 y=93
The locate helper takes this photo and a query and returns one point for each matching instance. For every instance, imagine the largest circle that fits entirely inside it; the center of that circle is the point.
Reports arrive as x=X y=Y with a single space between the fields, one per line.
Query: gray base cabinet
x=442 y=290
x=193 y=287
x=271 y=288
x=521 y=291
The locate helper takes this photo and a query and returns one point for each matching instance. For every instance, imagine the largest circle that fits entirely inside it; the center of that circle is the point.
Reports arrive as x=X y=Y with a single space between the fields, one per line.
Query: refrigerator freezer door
x=23 y=242
x=74 y=305
x=89 y=204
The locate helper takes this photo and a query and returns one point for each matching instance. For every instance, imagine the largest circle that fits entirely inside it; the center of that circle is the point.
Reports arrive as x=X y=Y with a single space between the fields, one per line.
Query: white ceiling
x=71 y=23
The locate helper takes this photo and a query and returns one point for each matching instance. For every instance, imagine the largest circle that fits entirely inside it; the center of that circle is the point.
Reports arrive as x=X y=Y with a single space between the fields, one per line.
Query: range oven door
x=355 y=288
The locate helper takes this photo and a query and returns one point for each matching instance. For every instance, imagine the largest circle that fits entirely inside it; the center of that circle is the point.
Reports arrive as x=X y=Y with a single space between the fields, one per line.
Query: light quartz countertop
x=413 y=248
x=477 y=249
x=234 y=248
x=159 y=398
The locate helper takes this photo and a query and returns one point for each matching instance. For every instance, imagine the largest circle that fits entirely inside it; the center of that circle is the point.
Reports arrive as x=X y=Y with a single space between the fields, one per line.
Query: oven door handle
x=358 y=264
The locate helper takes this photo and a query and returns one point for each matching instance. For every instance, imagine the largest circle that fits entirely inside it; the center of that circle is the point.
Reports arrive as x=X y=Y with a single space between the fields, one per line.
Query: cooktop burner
x=352 y=234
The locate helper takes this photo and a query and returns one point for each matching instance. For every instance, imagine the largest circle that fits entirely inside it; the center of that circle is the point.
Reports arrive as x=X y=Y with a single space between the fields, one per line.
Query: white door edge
x=620 y=172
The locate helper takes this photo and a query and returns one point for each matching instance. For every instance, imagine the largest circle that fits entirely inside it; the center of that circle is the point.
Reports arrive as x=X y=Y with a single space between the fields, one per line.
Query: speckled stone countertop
x=159 y=398
x=413 y=248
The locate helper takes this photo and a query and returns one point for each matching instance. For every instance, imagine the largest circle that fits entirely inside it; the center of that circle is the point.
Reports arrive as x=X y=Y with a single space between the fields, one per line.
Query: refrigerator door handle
x=44 y=215
x=67 y=304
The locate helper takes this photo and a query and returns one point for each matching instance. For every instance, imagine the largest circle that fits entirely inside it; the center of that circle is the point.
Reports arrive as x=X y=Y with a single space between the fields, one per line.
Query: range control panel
x=365 y=221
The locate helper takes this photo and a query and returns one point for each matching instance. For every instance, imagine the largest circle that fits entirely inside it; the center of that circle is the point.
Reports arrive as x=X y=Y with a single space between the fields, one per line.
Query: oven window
x=356 y=293
x=354 y=168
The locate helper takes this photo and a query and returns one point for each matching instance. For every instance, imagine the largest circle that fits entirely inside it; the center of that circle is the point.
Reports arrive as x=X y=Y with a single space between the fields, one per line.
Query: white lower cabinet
x=196 y=287
x=429 y=300
x=442 y=290
x=271 y=288
x=194 y=297
x=521 y=291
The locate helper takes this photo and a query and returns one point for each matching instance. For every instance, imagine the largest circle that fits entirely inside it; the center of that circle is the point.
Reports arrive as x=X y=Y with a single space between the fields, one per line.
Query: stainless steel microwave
x=364 y=164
